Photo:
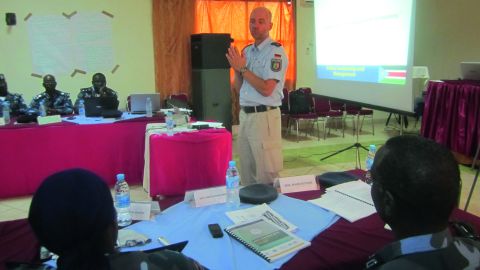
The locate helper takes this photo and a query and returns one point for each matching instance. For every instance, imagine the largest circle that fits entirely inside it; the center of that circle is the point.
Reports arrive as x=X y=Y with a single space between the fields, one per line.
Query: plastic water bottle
x=170 y=123
x=6 y=112
x=122 y=201
x=148 y=107
x=43 y=110
x=233 y=185
x=81 y=109
x=372 y=149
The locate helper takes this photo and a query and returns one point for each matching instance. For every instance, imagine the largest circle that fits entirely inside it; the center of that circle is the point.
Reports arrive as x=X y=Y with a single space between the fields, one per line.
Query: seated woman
x=73 y=216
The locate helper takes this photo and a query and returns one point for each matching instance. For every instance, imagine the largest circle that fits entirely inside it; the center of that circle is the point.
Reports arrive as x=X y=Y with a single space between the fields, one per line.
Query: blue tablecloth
x=183 y=222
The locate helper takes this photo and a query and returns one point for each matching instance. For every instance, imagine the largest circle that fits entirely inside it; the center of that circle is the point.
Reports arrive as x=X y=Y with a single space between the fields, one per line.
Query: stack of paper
x=351 y=200
x=260 y=211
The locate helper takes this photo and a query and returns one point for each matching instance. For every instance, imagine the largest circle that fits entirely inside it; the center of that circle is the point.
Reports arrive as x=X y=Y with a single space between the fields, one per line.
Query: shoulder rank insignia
x=276 y=44
x=276 y=63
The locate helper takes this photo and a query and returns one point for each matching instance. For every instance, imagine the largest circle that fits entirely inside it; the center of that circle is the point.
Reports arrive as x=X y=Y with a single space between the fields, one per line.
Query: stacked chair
x=324 y=114
x=301 y=108
x=356 y=112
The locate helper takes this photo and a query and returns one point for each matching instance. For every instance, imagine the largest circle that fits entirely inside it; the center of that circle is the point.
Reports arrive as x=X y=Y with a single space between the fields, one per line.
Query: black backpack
x=300 y=101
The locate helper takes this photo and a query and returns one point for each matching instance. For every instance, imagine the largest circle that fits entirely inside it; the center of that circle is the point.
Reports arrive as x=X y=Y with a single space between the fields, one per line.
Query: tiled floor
x=16 y=208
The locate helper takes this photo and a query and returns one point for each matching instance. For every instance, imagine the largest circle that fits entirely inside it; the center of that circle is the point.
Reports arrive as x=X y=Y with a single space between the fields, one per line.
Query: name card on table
x=207 y=196
x=297 y=183
x=142 y=210
x=43 y=120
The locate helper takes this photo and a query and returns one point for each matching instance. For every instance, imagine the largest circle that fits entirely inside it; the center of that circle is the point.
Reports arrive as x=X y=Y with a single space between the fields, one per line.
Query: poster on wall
x=61 y=44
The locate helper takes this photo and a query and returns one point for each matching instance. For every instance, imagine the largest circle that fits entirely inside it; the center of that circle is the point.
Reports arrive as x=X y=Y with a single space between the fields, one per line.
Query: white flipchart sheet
x=60 y=45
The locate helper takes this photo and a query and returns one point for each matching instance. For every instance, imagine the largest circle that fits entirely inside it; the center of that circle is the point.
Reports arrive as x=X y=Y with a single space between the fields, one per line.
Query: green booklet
x=266 y=239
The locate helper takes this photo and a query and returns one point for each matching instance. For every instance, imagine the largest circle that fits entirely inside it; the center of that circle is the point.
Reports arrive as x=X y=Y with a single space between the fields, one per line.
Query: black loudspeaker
x=208 y=50
x=211 y=95
x=10 y=19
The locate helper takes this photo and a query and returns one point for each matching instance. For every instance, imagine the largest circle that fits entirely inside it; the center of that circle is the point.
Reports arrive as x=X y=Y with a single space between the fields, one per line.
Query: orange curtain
x=215 y=16
x=172 y=23
x=232 y=16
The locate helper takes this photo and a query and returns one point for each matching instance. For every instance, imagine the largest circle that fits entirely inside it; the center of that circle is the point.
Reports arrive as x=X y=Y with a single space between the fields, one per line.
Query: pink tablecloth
x=452 y=115
x=28 y=155
x=188 y=161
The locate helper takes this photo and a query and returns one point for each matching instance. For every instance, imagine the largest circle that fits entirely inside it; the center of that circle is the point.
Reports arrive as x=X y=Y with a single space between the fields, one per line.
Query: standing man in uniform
x=259 y=77
x=55 y=101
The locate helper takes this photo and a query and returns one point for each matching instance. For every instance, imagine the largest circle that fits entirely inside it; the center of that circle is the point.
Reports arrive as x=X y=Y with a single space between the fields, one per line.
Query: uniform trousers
x=260 y=146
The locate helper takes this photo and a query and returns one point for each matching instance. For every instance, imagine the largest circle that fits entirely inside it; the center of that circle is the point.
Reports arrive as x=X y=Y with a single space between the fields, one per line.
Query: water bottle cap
x=232 y=163
x=120 y=177
x=372 y=147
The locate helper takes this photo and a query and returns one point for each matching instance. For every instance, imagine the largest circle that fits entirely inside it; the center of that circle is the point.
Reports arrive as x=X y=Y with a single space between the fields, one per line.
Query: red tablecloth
x=188 y=161
x=17 y=242
x=31 y=153
x=452 y=115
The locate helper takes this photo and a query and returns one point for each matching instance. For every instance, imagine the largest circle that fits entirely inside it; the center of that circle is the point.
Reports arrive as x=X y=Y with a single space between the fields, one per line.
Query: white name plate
x=2 y=121
x=297 y=183
x=207 y=196
x=44 y=120
x=140 y=210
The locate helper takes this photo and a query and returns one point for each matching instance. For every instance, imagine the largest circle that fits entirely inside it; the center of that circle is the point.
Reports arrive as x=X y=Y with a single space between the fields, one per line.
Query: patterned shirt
x=268 y=61
x=430 y=251
x=60 y=103
x=159 y=260
x=90 y=92
x=17 y=105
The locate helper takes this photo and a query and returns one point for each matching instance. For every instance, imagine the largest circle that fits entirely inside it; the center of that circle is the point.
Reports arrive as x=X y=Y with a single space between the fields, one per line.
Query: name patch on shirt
x=276 y=63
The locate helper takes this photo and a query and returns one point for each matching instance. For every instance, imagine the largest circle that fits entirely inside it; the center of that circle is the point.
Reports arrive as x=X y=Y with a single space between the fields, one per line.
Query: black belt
x=259 y=108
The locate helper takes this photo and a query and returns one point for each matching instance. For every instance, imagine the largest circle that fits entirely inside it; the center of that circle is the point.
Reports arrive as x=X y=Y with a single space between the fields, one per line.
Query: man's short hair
x=72 y=210
x=422 y=176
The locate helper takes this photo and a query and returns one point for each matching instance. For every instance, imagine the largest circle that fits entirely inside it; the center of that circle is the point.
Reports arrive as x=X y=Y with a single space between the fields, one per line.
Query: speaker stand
x=471 y=189
x=356 y=145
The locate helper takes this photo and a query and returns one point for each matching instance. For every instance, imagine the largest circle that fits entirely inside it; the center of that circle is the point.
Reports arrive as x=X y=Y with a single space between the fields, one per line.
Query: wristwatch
x=243 y=70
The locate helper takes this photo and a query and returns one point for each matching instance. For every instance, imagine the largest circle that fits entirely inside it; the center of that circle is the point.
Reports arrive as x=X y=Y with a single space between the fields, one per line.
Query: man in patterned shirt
x=55 y=101
x=72 y=214
x=15 y=101
x=416 y=186
x=98 y=89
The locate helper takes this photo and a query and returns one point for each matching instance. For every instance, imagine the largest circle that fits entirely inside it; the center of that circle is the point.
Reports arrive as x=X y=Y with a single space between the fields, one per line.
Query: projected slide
x=363 y=41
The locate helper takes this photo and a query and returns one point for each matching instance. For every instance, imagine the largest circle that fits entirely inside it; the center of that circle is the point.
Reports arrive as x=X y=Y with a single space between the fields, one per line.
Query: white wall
x=132 y=46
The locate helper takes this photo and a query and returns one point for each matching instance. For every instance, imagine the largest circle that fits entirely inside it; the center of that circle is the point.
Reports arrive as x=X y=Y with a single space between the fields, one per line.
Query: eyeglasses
x=134 y=243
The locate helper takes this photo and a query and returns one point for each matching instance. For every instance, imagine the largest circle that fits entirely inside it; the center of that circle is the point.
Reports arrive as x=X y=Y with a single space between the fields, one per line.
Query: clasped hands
x=235 y=58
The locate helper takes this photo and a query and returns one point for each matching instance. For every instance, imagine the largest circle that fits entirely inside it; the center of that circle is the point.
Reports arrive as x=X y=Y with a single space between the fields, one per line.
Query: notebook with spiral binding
x=266 y=239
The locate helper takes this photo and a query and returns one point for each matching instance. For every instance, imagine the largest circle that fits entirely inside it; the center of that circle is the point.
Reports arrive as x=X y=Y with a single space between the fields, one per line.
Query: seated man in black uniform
x=15 y=101
x=55 y=101
x=73 y=216
x=98 y=89
x=416 y=186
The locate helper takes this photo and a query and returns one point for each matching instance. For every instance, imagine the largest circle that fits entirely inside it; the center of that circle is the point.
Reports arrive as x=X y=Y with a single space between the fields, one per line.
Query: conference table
x=451 y=115
x=187 y=160
x=184 y=161
x=338 y=244
x=31 y=152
